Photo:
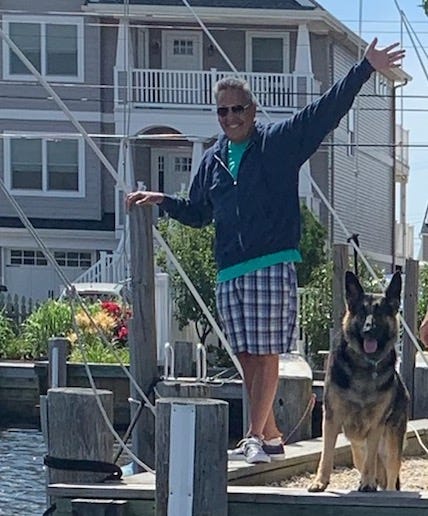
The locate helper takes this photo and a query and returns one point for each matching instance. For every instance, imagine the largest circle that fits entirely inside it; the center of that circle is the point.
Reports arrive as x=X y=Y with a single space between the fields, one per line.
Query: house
x=138 y=76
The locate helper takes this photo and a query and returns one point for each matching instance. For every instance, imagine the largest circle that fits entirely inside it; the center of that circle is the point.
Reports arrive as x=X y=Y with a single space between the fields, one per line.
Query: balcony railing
x=193 y=89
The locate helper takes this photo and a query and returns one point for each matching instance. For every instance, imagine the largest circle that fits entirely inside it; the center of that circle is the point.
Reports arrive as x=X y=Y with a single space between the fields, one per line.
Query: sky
x=381 y=18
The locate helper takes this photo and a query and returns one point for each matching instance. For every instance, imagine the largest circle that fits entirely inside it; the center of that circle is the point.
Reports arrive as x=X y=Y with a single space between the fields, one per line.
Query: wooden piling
x=191 y=457
x=77 y=430
x=57 y=352
x=292 y=404
x=142 y=330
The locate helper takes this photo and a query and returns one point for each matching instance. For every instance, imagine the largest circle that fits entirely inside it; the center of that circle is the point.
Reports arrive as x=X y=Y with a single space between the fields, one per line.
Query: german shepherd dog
x=364 y=395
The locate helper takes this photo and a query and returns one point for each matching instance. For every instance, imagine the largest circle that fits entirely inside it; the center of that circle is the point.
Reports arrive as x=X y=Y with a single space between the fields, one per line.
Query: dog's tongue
x=370 y=345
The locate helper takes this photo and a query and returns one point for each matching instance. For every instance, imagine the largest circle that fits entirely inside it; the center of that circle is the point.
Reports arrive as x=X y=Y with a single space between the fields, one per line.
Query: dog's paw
x=317 y=486
x=367 y=488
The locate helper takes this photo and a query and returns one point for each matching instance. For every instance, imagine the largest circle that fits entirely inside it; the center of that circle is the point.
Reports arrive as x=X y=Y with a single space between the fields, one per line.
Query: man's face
x=237 y=125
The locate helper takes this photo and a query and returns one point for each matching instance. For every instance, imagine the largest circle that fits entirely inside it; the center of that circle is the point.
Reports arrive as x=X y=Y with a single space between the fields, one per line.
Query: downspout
x=394 y=167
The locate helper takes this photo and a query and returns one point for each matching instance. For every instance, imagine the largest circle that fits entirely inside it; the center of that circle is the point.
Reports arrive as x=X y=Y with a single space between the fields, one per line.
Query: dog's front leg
x=330 y=431
x=368 y=480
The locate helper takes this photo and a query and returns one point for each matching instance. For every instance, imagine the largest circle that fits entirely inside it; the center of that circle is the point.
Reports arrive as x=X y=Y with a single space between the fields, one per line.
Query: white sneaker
x=238 y=452
x=253 y=451
x=274 y=451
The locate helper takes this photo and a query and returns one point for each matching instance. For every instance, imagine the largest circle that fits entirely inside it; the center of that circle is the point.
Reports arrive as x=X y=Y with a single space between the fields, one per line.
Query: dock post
x=58 y=351
x=191 y=457
x=77 y=430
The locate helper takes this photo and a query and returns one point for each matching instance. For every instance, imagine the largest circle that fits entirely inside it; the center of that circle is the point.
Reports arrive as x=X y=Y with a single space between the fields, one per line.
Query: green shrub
x=7 y=337
x=51 y=319
x=423 y=293
x=98 y=352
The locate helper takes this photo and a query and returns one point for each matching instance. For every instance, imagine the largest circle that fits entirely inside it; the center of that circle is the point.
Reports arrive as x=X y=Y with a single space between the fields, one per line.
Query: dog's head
x=370 y=322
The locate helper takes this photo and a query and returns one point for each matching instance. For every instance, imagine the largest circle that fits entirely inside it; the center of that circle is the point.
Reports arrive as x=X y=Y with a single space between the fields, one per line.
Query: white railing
x=177 y=88
x=110 y=268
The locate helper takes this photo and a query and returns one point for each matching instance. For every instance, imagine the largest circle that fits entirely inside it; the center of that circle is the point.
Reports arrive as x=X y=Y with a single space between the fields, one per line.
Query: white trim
x=145 y=52
x=60 y=239
x=284 y=35
x=182 y=427
x=80 y=193
x=54 y=116
x=78 y=22
x=324 y=21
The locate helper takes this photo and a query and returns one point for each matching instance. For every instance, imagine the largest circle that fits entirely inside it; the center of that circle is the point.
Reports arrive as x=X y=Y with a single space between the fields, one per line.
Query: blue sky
x=381 y=18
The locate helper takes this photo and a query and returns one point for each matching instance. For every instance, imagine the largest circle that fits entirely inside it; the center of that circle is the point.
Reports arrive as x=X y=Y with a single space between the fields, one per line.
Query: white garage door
x=29 y=274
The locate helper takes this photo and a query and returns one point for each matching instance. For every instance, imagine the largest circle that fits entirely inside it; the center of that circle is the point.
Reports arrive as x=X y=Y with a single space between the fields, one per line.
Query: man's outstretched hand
x=386 y=58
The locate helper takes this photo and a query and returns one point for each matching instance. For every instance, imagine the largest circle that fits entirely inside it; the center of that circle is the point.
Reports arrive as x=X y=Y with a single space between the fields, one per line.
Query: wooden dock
x=248 y=494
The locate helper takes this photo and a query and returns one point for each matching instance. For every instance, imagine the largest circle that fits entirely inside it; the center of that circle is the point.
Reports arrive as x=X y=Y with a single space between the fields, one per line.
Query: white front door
x=181 y=50
x=171 y=170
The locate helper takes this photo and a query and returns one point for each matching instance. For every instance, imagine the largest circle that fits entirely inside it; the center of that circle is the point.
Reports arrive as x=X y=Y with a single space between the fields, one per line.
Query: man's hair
x=233 y=83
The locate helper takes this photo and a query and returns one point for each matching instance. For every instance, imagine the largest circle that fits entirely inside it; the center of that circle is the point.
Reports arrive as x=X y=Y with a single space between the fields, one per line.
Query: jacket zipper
x=235 y=183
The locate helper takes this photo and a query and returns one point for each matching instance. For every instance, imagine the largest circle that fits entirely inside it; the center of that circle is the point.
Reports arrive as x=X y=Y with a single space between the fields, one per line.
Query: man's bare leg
x=261 y=380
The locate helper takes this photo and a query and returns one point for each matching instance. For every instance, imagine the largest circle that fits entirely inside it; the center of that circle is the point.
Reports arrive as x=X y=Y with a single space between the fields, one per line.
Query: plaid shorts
x=258 y=310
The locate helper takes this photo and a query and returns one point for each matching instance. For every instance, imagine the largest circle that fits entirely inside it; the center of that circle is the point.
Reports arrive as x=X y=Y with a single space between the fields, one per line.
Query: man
x=247 y=183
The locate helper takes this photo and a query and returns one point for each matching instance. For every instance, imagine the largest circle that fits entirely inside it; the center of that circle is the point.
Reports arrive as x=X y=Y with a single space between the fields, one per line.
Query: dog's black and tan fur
x=364 y=396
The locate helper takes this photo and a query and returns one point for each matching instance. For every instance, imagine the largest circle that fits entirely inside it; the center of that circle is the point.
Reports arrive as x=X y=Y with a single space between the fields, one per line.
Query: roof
x=241 y=4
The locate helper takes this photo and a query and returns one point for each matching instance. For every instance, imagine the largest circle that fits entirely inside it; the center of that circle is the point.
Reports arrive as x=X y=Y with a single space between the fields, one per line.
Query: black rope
x=354 y=238
x=50 y=510
x=131 y=426
x=94 y=466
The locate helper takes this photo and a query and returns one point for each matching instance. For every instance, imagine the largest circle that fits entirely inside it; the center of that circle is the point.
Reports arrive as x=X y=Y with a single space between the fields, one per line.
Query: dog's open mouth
x=370 y=345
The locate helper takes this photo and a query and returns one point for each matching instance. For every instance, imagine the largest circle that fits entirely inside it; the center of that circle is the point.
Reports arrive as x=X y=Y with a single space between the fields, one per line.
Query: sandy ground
x=414 y=477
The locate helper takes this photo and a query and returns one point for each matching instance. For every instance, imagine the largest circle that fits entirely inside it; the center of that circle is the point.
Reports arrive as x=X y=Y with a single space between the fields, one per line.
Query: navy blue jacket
x=259 y=213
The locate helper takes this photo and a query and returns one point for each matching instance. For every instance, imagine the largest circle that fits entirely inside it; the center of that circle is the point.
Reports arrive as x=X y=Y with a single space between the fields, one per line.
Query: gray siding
x=320 y=161
x=363 y=187
x=23 y=97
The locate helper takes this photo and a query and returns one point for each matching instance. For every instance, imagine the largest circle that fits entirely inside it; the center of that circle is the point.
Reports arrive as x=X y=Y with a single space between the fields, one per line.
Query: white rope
x=418 y=437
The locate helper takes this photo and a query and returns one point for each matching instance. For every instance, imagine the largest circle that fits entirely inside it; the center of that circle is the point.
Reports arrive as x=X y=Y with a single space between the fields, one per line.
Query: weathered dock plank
x=271 y=501
x=252 y=499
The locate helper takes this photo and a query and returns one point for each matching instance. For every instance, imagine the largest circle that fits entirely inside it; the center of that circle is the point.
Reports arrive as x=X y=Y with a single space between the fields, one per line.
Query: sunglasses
x=236 y=110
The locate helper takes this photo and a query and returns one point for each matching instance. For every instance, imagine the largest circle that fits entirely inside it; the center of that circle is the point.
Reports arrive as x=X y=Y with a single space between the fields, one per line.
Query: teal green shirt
x=235 y=153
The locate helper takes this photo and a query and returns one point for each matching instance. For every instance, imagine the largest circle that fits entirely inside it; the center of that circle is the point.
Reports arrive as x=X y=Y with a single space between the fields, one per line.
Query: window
x=78 y=259
x=267 y=55
x=37 y=165
x=350 y=121
x=183 y=47
x=73 y=259
x=53 y=45
x=27 y=257
x=182 y=164
x=268 y=52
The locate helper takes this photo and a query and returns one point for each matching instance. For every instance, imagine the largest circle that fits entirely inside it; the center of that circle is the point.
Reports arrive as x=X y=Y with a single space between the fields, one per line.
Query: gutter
x=394 y=166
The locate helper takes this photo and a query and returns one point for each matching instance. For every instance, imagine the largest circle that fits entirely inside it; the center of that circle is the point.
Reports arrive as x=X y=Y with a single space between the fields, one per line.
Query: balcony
x=193 y=89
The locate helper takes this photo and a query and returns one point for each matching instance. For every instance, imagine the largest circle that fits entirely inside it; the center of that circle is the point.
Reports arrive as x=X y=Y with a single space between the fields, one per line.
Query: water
x=22 y=475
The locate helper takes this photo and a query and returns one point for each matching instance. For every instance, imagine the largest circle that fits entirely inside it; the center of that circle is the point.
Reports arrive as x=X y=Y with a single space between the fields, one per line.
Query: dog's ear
x=392 y=293
x=353 y=290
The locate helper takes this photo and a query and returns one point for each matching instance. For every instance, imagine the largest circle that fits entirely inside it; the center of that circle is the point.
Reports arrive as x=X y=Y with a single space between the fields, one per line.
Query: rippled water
x=22 y=476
